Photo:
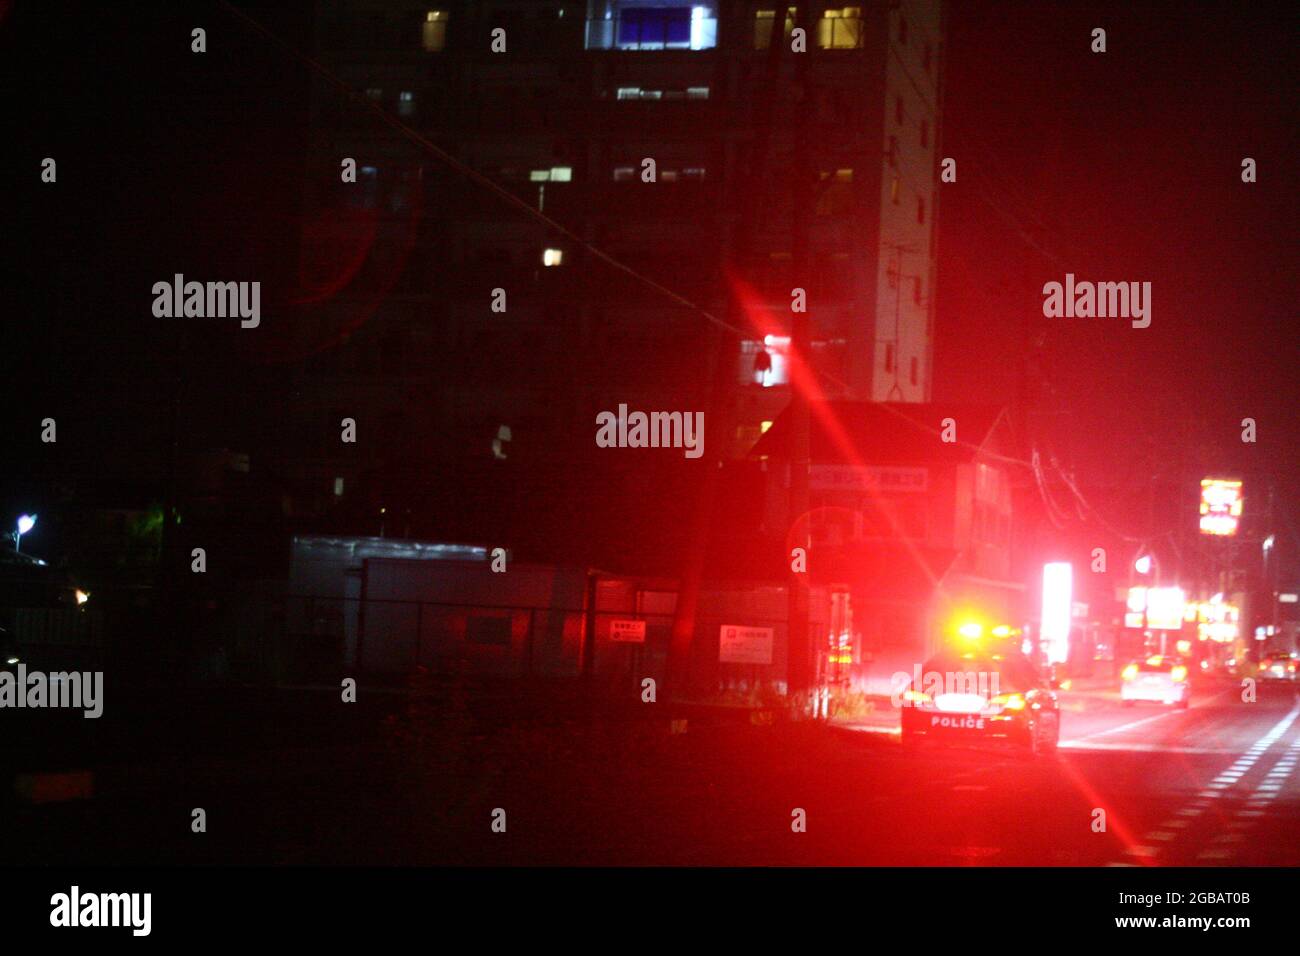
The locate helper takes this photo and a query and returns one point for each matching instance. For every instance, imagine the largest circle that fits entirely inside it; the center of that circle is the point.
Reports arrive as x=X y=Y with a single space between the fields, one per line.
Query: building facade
x=910 y=516
x=476 y=317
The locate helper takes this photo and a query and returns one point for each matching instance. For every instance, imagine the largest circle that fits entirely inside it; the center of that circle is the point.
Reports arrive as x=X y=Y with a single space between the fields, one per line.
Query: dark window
x=920 y=209
x=893 y=152
x=898 y=110
x=916 y=365
x=902 y=30
x=488 y=630
x=925 y=133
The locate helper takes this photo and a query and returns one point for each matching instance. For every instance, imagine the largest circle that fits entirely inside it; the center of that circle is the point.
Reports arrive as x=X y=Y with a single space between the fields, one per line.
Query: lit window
x=668 y=175
x=556 y=174
x=695 y=173
x=668 y=25
x=893 y=190
x=840 y=29
x=629 y=93
x=374 y=93
x=435 y=31
x=697 y=92
x=624 y=174
x=406 y=103
x=778 y=347
x=338 y=487
x=552 y=257
x=763 y=20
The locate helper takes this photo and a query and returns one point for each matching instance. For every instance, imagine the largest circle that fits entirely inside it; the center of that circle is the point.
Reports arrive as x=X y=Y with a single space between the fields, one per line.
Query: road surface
x=1217 y=784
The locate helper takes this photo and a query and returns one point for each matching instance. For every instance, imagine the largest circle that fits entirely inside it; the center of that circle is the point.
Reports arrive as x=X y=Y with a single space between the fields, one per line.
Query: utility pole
x=744 y=201
x=798 y=637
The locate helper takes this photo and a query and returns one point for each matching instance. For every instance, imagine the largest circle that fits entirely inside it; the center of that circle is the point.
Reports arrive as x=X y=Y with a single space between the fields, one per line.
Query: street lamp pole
x=25 y=524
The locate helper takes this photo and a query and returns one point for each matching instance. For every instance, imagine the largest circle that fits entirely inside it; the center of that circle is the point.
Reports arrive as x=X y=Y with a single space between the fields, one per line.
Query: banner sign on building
x=867 y=478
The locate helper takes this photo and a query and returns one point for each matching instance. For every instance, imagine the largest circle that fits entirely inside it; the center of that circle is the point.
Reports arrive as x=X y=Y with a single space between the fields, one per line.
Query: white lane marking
x=1121 y=728
x=1216 y=789
x=1084 y=744
x=1263 y=792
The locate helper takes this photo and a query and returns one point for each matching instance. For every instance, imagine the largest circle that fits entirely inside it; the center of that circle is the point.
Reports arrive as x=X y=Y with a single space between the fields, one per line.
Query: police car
x=981 y=696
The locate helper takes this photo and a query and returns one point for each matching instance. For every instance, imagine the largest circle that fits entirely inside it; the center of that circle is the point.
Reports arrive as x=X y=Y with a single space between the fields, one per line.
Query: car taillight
x=1009 y=701
x=1130 y=672
x=916 y=697
x=1179 y=673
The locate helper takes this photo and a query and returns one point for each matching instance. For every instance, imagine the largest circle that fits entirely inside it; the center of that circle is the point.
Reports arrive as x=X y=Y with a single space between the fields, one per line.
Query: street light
x=1143 y=564
x=25 y=524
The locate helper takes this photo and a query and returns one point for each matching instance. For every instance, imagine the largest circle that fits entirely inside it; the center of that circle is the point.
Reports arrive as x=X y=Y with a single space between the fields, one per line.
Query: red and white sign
x=627 y=632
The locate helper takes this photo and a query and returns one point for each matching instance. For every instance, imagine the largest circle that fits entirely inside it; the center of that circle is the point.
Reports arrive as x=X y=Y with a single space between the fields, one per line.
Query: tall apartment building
x=402 y=268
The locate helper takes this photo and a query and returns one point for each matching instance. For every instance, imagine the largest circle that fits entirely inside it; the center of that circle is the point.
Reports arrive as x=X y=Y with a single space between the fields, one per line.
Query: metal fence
x=321 y=637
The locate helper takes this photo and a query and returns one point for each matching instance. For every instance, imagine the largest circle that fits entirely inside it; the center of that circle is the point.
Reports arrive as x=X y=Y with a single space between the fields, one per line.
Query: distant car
x=1278 y=667
x=979 y=697
x=1161 y=680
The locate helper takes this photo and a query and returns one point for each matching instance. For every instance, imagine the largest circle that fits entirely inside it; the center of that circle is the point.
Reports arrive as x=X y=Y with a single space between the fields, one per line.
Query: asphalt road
x=1216 y=784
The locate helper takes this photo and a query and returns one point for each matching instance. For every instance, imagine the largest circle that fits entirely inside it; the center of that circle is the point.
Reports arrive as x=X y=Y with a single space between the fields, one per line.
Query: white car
x=1162 y=680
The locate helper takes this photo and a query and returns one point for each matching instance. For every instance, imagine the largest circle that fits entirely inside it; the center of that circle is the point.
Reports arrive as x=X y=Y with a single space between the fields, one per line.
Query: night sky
x=1126 y=166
